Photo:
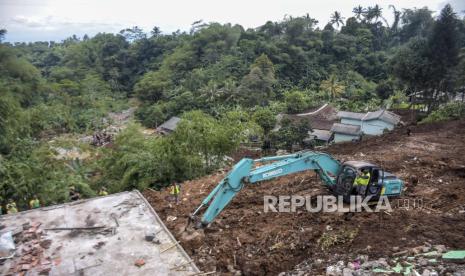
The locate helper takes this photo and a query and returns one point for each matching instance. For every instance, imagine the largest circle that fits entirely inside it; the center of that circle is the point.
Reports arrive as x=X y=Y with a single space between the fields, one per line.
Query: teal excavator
x=338 y=177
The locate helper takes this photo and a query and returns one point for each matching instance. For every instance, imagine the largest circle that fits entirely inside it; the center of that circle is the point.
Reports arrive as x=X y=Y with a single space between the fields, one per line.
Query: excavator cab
x=379 y=182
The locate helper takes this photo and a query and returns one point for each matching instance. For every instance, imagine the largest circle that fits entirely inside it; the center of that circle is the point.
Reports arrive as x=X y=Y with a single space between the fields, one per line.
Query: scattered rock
x=422 y=262
x=426 y=248
x=333 y=271
x=171 y=218
x=440 y=248
x=44 y=270
x=426 y=272
x=347 y=272
x=354 y=265
x=417 y=250
x=46 y=244
x=362 y=258
x=139 y=262
x=193 y=238
x=99 y=245
x=150 y=236
x=231 y=268
x=26 y=226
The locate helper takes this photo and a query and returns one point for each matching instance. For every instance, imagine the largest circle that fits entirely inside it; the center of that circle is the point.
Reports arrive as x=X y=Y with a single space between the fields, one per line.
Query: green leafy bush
x=449 y=111
x=296 y=101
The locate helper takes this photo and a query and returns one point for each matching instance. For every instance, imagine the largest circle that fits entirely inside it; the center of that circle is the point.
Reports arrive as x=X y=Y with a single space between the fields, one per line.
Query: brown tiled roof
x=323 y=119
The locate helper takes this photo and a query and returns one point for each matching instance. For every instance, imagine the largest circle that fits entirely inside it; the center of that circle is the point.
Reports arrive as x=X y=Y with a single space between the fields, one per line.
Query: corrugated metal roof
x=345 y=129
x=170 y=124
x=351 y=115
x=383 y=115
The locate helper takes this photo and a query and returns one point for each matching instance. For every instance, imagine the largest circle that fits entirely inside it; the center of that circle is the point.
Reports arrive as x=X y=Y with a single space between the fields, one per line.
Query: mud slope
x=243 y=238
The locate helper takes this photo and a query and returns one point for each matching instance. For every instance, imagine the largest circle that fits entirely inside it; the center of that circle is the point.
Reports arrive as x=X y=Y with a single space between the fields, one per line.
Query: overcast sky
x=44 y=20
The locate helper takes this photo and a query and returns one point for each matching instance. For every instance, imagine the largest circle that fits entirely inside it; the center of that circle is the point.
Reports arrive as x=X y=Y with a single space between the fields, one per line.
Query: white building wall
x=376 y=127
x=339 y=137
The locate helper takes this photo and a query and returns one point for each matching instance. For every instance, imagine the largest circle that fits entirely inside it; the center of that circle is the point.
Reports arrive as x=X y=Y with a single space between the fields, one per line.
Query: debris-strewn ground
x=243 y=238
x=116 y=234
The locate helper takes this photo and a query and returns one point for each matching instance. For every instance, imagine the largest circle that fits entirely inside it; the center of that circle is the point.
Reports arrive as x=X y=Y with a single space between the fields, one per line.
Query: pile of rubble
x=423 y=260
x=245 y=239
x=100 y=139
x=30 y=243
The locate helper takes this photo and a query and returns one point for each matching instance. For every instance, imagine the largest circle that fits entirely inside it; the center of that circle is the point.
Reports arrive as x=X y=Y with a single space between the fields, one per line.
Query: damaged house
x=354 y=124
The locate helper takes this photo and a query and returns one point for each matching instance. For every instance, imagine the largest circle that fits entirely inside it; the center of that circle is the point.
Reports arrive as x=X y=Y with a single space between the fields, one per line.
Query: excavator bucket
x=223 y=192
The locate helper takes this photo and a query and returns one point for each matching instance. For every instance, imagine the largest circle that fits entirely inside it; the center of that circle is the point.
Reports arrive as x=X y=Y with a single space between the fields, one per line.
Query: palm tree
x=375 y=13
x=210 y=92
x=332 y=87
x=359 y=12
x=368 y=15
x=397 y=14
x=337 y=19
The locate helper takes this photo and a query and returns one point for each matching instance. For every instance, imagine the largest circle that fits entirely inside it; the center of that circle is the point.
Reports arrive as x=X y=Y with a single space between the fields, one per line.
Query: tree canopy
x=227 y=83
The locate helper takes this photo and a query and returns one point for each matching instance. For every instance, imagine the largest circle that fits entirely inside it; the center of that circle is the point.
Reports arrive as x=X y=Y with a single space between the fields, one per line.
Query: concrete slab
x=112 y=241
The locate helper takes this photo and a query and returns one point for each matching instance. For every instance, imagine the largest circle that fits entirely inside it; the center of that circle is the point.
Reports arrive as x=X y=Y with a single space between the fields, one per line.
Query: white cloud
x=55 y=23
x=458 y=5
x=29 y=20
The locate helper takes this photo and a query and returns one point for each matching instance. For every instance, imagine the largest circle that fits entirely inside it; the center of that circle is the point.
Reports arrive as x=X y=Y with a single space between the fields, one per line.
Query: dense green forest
x=225 y=81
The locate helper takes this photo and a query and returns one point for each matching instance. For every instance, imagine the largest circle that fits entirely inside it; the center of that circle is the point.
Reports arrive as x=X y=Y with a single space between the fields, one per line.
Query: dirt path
x=243 y=238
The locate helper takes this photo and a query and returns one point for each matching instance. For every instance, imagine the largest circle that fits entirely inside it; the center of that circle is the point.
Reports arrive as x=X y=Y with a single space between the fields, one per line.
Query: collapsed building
x=119 y=234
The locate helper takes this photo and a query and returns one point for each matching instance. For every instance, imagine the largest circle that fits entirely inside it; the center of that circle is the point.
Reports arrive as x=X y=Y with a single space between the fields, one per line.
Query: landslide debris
x=244 y=239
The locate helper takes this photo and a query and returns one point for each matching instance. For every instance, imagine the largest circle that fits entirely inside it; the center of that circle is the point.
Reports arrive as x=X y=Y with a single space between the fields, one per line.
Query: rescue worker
x=103 y=191
x=73 y=194
x=362 y=180
x=34 y=203
x=175 y=191
x=11 y=207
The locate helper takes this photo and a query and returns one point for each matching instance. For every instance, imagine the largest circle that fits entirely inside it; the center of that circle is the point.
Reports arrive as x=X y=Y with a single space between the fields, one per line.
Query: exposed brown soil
x=243 y=238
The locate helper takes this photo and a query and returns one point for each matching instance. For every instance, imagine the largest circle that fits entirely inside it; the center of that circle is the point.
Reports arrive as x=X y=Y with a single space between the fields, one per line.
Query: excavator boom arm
x=244 y=173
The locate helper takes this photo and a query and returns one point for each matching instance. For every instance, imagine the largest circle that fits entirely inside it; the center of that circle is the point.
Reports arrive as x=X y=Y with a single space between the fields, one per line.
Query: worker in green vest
x=103 y=191
x=362 y=180
x=175 y=191
x=34 y=203
x=11 y=207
